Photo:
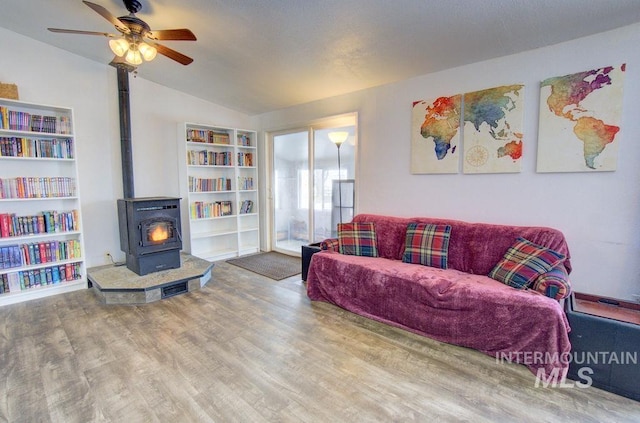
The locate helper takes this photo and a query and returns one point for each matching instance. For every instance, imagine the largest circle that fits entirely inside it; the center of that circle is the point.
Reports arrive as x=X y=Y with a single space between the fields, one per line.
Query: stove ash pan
x=150 y=233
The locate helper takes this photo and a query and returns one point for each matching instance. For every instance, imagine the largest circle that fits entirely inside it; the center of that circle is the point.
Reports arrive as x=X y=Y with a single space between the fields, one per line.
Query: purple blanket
x=453 y=306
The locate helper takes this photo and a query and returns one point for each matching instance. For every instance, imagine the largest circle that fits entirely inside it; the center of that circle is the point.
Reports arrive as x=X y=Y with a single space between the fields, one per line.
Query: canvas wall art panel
x=579 y=123
x=492 y=130
x=435 y=135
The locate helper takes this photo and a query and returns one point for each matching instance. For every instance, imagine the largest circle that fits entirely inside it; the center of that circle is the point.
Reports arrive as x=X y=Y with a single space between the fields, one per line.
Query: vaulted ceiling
x=256 y=56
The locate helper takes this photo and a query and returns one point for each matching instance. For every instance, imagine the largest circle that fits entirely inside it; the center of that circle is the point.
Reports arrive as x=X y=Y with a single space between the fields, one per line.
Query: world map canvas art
x=435 y=135
x=493 y=120
x=579 y=126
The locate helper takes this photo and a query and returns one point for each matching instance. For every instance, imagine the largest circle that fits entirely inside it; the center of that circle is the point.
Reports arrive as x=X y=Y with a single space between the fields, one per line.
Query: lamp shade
x=133 y=57
x=148 y=52
x=338 y=137
x=119 y=47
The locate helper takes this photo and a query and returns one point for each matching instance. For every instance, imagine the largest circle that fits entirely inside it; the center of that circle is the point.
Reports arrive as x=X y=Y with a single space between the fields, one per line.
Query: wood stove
x=150 y=233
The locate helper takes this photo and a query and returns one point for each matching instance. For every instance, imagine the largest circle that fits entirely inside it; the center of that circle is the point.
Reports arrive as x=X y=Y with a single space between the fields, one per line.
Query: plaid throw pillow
x=523 y=263
x=330 y=244
x=554 y=284
x=427 y=244
x=357 y=239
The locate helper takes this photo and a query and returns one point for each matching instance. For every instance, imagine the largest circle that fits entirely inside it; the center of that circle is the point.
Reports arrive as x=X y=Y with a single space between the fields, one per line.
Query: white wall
x=48 y=75
x=599 y=213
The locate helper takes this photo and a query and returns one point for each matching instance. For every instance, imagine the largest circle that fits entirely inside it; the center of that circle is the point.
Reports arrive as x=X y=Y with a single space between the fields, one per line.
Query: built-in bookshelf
x=219 y=190
x=41 y=241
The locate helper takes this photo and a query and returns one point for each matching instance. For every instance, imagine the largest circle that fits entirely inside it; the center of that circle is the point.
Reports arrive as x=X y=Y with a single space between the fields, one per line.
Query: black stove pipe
x=125 y=131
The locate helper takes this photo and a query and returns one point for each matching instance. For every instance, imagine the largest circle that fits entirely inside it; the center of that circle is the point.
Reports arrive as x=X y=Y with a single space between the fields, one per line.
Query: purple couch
x=459 y=305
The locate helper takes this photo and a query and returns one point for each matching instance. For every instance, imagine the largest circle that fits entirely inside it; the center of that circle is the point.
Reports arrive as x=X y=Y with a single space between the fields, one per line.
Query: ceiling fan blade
x=75 y=31
x=182 y=34
x=172 y=54
x=108 y=16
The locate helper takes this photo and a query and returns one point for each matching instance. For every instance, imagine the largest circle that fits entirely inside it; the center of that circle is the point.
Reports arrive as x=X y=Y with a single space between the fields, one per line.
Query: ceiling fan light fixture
x=148 y=52
x=133 y=57
x=119 y=47
x=129 y=45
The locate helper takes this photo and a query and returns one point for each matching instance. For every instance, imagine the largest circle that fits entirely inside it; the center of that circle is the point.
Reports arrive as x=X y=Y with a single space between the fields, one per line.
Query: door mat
x=273 y=265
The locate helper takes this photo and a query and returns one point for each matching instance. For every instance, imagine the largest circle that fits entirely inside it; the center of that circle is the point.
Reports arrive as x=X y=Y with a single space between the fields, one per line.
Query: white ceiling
x=256 y=56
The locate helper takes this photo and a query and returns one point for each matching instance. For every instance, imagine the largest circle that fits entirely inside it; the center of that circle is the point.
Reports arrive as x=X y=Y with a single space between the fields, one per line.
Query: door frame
x=346 y=119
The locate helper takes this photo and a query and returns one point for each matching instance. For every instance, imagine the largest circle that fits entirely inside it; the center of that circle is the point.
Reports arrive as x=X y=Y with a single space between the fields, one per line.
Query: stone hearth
x=119 y=285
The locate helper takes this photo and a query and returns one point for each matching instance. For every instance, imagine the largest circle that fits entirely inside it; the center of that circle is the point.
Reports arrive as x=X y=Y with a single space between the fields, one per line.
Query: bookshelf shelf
x=212 y=192
x=40 y=159
x=211 y=234
x=31 y=237
x=231 y=216
x=218 y=224
x=210 y=166
x=22 y=200
x=41 y=239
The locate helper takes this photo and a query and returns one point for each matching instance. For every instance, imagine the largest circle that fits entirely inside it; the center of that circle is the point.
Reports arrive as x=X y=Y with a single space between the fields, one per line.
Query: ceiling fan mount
x=133 y=6
x=136 y=33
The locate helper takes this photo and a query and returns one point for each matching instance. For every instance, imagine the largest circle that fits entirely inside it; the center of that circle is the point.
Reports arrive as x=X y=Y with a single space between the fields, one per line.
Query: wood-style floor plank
x=246 y=348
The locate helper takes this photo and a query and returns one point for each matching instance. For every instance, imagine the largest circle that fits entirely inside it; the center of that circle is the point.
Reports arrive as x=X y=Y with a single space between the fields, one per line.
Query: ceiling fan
x=136 y=39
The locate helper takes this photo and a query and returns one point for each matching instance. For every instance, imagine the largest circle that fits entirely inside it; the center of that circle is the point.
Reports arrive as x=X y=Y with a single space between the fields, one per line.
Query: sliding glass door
x=307 y=182
x=290 y=191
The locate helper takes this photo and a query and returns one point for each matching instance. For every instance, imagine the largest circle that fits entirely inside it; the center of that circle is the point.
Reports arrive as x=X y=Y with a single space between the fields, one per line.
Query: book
x=29 y=279
x=4 y=225
x=16 y=252
x=14 y=282
x=55 y=274
x=32 y=254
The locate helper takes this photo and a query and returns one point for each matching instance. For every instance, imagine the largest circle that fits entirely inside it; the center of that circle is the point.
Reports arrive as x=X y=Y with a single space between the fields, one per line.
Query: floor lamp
x=338 y=138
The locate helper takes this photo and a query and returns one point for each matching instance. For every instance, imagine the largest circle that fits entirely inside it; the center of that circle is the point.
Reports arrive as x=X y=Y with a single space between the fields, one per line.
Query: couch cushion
x=427 y=244
x=523 y=262
x=357 y=239
x=554 y=284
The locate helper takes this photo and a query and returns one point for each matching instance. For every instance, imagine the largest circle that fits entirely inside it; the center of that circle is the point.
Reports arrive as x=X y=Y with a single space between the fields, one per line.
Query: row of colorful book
x=207 y=136
x=37 y=187
x=245 y=183
x=209 y=158
x=27 y=279
x=244 y=140
x=204 y=210
x=53 y=148
x=246 y=207
x=25 y=121
x=33 y=253
x=245 y=159
x=48 y=221
x=209 y=184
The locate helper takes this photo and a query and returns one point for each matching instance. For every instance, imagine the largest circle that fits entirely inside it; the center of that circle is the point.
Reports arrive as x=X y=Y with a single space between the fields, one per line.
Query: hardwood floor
x=248 y=349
